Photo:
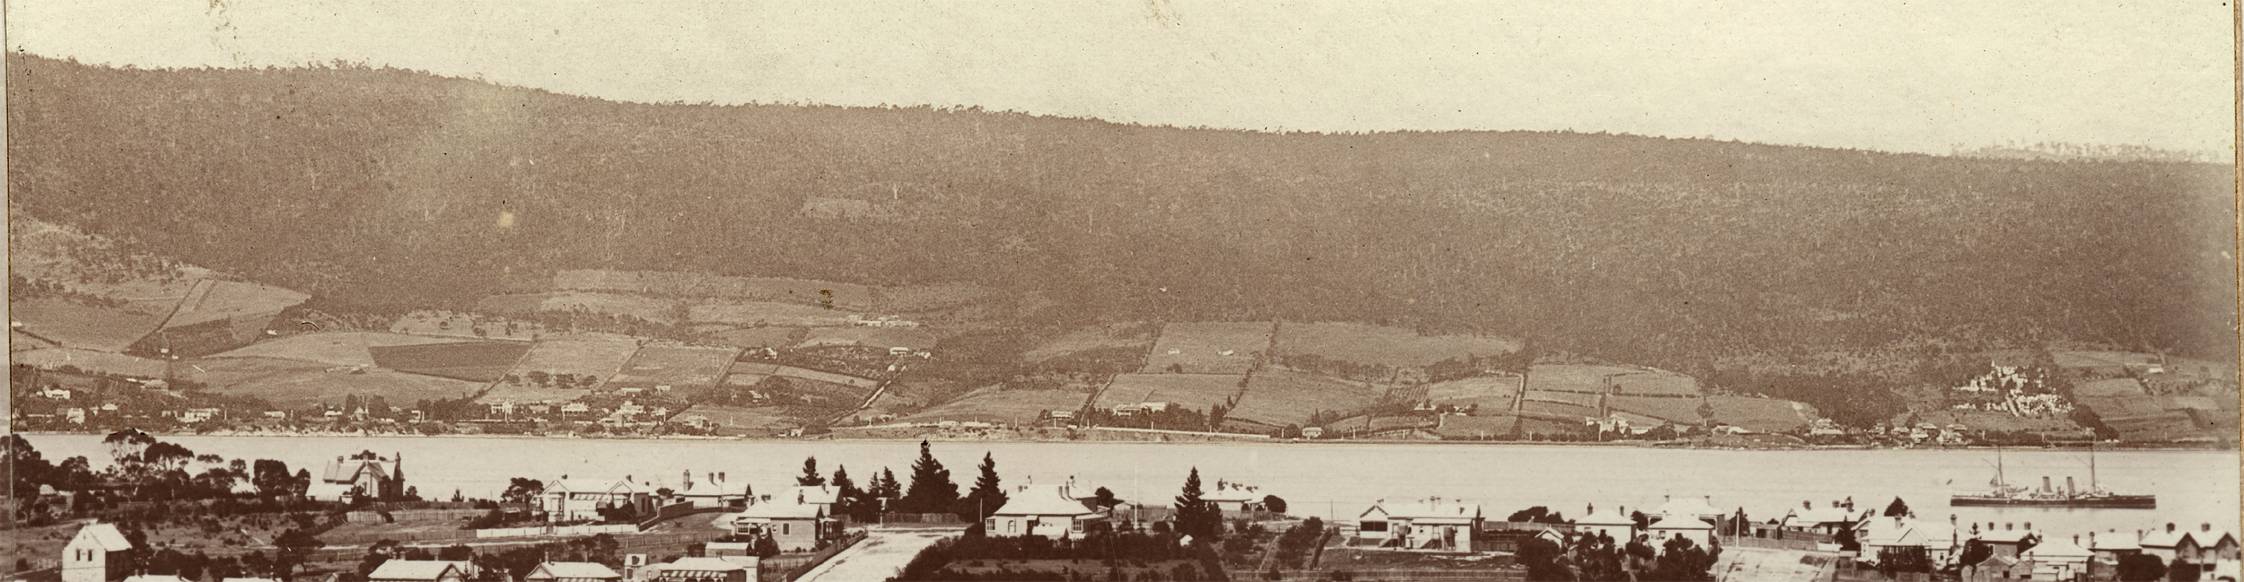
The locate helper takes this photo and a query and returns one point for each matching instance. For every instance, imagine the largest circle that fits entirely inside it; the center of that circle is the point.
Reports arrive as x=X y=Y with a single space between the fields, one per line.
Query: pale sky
x=1881 y=74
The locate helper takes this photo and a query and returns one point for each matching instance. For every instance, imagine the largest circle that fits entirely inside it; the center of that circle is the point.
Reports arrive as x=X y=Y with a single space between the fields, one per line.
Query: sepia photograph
x=1121 y=291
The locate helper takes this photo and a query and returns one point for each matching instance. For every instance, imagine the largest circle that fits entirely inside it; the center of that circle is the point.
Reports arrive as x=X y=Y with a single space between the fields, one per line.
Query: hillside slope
x=384 y=189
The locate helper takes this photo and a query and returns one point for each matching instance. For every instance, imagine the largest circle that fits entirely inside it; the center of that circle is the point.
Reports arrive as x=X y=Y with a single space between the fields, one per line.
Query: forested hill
x=385 y=188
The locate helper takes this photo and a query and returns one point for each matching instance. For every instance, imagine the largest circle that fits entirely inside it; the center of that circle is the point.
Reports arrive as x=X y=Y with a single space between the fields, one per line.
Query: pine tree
x=1194 y=516
x=889 y=488
x=932 y=490
x=846 y=499
x=810 y=476
x=988 y=493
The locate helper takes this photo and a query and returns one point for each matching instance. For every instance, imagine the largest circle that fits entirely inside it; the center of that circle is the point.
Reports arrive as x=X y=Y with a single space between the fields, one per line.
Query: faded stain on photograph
x=1173 y=290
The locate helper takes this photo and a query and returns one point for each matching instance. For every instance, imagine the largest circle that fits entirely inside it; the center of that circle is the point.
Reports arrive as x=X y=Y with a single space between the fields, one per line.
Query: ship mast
x=2001 y=484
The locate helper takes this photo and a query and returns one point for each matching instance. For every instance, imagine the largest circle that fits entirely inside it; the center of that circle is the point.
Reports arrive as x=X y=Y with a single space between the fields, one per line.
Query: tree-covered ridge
x=381 y=188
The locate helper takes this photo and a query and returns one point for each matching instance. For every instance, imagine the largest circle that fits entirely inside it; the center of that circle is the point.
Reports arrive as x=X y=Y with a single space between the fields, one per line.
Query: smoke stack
x=2045 y=483
x=2069 y=485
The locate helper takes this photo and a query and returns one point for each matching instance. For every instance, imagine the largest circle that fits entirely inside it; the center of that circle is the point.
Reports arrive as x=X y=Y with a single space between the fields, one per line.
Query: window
x=1372 y=526
x=786 y=528
x=1012 y=526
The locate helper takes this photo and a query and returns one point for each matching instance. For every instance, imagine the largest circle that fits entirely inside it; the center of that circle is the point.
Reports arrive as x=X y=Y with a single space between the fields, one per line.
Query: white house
x=2058 y=560
x=1614 y=523
x=422 y=571
x=1234 y=498
x=1432 y=524
x=1052 y=511
x=97 y=552
x=572 y=572
x=2169 y=543
x=1690 y=528
x=1823 y=520
x=568 y=499
x=1939 y=540
x=794 y=523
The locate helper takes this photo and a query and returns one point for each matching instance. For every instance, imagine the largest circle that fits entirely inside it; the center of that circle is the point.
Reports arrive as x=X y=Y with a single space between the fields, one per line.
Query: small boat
x=2002 y=494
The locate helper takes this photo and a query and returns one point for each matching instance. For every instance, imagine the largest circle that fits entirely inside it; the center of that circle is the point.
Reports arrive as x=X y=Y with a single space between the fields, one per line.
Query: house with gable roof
x=572 y=572
x=1614 y=523
x=397 y=570
x=579 y=499
x=99 y=552
x=1053 y=511
x=1432 y=524
x=363 y=475
x=798 y=521
x=2057 y=560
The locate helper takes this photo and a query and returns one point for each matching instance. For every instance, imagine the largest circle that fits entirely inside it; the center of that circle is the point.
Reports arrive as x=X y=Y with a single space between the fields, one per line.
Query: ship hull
x=2110 y=502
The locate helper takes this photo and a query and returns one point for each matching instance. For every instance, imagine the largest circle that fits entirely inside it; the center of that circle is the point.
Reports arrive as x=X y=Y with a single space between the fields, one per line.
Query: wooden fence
x=786 y=567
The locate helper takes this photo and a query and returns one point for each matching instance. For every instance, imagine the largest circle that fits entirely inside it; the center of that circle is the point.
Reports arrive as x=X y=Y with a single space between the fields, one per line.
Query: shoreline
x=1209 y=440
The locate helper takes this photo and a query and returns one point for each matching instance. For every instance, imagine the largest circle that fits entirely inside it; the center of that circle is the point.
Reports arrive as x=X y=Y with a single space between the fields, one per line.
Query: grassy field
x=523 y=391
x=1593 y=379
x=596 y=354
x=1200 y=348
x=334 y=348
x=473 y=361
x=1556 y=409
x=655 y=309
x=799 y=373
x=755 y=337
x=464 y=326
x=1676 y=410
x=1194 y=391
x=735 y=420
x=757 y=313
x=81 y=325
x=292 y=384
x=1278 y=397
x=668 y=283
x=1761 y=414
x=20 y=341
x=749 y=373
x=935 y=297
x=872 y=337
x=99 y=361
x=994 y=404
x=1390 y=346
x=212 y=299
x=1490 y=392
x=676 y=366
x=1126 y=336
x=1572 y=398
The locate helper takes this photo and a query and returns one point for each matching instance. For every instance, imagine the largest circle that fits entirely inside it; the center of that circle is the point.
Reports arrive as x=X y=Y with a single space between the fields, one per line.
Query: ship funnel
x=2045 y=483
x=2069 y=485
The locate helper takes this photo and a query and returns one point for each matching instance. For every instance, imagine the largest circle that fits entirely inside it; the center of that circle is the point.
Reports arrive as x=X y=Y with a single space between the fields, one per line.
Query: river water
x=2193 y=487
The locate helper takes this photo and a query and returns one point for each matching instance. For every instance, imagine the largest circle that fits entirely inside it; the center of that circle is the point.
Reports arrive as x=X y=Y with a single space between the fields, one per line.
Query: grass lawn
x=474 y=361
x=1200 y=347
x=1592 y=379
x=1761 y=414
x=871 y=337
x=1391 y=346
x=1278 y=396
x=334 y=348
x=598 y=355
x=110 y=362
x=1194 y=391
x=677 y=366
x=213 y=300
x=756 y=337
x=295 y=383
x=753 y=313
x=82 y=325
x=999 y=405
x=1130 y=336
x=1490 y=392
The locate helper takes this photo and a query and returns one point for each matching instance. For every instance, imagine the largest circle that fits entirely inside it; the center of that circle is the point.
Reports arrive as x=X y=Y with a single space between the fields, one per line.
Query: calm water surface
x=1326 y=479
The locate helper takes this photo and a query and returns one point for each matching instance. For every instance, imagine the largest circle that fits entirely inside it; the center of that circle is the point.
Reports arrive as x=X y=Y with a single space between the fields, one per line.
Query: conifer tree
x=932 y=490
x=988 y=493
x=845 y=499
x=1197 y=517
x=810 y=476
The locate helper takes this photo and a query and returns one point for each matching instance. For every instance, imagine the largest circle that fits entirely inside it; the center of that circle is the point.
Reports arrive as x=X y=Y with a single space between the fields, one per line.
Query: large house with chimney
x=1053 y=511
x=1431 y=524
x=363 y=475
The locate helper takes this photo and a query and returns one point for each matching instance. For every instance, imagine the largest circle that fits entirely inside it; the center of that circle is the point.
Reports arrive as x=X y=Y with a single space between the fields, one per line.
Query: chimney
x=2205 y=527
x=2091 y=540
x=2029 y=526
x=1805 y=504
x=2169 y=527
x=2006 y=526
x=2069 y=485
x=2045 y=483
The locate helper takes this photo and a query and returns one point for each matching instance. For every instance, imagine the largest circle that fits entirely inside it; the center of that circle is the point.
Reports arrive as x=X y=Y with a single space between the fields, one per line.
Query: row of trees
x=142 y=468
x=1599 y=558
